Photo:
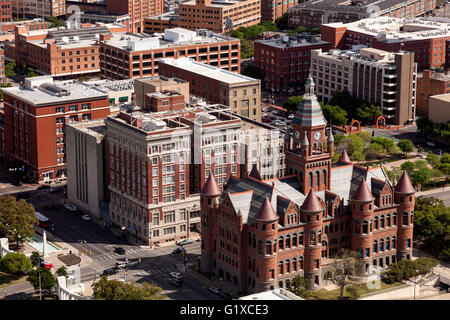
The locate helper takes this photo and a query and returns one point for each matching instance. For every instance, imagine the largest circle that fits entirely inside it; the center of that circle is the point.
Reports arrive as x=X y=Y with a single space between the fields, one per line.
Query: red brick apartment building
x=5 y=11
x=271 y=10
x=154 y=179
x=430 y=84
x=128 y=56
x=137 y=9
x=2 y=65
x=257 y=235
x=35 y=24
x=426 y=38
x=315 y=13
x=62 y=53
x=285 y=61
x=34 y=117
x=216 y=15
x=38 y=8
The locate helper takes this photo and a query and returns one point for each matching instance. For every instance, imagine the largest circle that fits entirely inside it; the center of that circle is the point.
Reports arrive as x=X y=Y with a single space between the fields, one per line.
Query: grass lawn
x=361 y=288
x=8 y=279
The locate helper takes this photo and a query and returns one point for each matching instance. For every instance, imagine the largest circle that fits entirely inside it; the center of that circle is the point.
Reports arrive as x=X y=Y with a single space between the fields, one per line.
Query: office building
x=430 y=83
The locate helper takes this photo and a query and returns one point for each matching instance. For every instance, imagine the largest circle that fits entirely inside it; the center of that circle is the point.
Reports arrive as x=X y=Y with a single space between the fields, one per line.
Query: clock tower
x=310 y=156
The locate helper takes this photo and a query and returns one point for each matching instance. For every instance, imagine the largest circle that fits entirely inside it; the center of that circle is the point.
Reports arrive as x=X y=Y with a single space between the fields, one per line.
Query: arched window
x=405 y=218
x=388 y=242
x=294 y=264
x=310 y=180
x=275 y=245
x=294 y=240
x=381 y=245
x=382 y=222
x=288 y=266
x=394 y=219
x=318 y=178
x=288 y=241
x=326 y=230
x=301 y=263
x=320 y=236
x=365 y=228
x=393 y=243
x=388 y=220
x=268 y=248
x=312 y=238
x=375 y=246
x=324 y=176
x=375 y=220
x=281 y=243
x=280 y=267
x=300 y=239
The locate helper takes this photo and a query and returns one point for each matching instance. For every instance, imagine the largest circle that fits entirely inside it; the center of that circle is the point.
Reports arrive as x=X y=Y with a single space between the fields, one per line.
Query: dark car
x=110 y=272
x=175 y=282
x=120 y=250
x=178 y=251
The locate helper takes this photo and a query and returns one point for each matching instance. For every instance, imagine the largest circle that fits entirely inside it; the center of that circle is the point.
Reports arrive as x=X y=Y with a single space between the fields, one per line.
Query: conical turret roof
x=404 y=184
x=266 y=213
x=211 y=188
x=344 y=157
x=255 y=173
x=363 y=193
x=305 y=141
x=312 y=202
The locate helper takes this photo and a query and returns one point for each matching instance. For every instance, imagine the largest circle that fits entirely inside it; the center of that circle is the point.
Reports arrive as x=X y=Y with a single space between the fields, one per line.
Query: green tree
x=386 y=143
x=15 y=263
x=433 y=159
x=35 y=259
x=48 y=281
x=55 y=22
x=299 y=287
x=10 y=69
x=17 y=218
x=237 y=34
x=338 y=115
x=105 y=289
x=292 y=103
x=406 y=269
x=338 y=139
x=406 y=146
x=409 y=167
x=252 y=71
x=421 y=176
x=282 y=22
x=345 y=271
x=374 y=151
x=246 y=49
x=61 y=272
x=366 y=136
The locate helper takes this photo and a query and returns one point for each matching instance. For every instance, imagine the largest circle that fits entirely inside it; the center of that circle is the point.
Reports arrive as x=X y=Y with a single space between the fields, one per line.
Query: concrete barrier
x=65 y=294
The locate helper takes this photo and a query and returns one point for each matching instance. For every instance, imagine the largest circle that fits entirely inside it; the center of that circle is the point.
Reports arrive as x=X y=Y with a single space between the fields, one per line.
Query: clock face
x=297 y=134
x=317 y=135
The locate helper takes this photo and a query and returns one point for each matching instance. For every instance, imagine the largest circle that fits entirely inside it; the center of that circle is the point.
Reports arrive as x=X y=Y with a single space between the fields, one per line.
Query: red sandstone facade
x=256 y=237
x=5 y=11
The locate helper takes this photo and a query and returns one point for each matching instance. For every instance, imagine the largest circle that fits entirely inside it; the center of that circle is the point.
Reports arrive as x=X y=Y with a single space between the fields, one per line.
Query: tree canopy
x=436 y=131
x=15 y=263
x=356 y=108
x=48 y=280
x=105 y=289
x=405 y=145
x=338 y=115
x=405 y=269
x=292 y=103
x=17 y=218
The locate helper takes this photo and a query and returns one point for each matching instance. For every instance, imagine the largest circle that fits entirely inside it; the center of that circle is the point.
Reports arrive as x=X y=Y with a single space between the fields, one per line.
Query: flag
x=48 y=266
x=41 y=262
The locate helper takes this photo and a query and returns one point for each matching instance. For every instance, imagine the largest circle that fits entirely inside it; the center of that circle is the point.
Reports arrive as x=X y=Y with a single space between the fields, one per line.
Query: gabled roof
x=211 y=188
x=377 y=186
x=404 y=184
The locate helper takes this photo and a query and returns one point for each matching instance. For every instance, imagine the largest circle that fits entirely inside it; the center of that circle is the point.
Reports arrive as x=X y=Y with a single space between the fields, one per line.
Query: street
x=444 y=196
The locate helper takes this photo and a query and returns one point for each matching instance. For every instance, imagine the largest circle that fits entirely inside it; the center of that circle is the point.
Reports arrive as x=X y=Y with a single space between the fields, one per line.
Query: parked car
x=86 y=217
x=109 y=272
x=119 y=250
x=215 y=290
x=431 y=144
x=185 y=241
x=70 y=207
x=121 y=264
x=266 y=119
x=176 y=275
x=175 y=282
x=291 y=116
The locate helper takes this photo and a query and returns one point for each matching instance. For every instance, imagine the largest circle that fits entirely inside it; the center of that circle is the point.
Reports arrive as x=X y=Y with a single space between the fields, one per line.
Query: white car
x=214 y=290
x=70 y=207
x=121 y=264
x=431 y=144
x=291 y=116
x=176 y=275
x=86 y=217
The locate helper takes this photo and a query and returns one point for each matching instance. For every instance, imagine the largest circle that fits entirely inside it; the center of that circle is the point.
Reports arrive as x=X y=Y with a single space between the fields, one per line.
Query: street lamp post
x=80 y=245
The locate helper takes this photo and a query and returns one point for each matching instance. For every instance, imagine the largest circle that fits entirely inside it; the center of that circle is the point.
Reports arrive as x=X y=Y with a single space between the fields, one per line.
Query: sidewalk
x=432 y=191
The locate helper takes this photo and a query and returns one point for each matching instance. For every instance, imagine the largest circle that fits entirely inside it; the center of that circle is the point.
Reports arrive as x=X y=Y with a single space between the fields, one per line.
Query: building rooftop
x=362 y=7
x=299 y=40
x=176 y=37
x=443 y=97
x=206 y=70
x=392 y=30
x=96 y=128
x=170 y=15
x=217 y=3
x=43 y=90
x=109 y=85
x=277 y=294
